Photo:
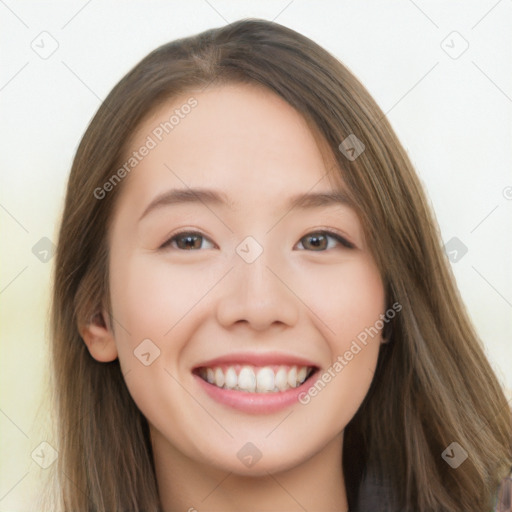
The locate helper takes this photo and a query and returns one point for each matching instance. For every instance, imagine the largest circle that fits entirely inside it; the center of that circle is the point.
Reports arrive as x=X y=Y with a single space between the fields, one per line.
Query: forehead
x=240 y=138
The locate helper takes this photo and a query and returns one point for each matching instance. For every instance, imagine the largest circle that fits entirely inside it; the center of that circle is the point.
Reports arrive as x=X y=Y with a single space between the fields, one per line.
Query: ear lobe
x=386 y=334
x=99 y=338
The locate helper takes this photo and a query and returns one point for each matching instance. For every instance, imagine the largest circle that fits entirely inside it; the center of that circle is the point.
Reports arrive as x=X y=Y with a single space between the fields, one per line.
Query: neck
x=186 y=485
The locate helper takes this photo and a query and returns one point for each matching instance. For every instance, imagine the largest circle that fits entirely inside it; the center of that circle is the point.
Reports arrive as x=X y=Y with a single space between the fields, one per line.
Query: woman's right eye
x=186 y=240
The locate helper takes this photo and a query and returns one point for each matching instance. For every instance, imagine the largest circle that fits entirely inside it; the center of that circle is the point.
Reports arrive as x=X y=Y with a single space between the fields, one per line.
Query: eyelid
x=186 y=231
x=334 y=233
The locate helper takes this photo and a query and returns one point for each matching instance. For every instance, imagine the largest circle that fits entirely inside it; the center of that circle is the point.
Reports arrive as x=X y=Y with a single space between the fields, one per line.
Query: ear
x=386 y=333
x=99 y=338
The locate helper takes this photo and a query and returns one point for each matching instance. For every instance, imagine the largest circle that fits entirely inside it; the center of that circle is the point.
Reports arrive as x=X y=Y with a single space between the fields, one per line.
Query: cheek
x=347 y=300
x=149 y=300
x=349 y=304
x=151 y=297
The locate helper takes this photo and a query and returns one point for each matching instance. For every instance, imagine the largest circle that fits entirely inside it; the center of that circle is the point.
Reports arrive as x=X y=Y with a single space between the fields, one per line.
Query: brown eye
x=187 y=241
x=319 y=241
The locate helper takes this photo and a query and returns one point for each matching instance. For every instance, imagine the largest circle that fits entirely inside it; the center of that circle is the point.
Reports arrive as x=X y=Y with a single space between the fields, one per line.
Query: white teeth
x=231 y=378
x=247 y=379
x=265 y=380
x=260 y=380
x=302 y=374
x=292 y=377
x=219 y=377
x=281 y=381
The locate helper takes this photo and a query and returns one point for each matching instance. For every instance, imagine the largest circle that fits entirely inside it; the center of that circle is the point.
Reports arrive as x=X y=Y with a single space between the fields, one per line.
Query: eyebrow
x=213 y=197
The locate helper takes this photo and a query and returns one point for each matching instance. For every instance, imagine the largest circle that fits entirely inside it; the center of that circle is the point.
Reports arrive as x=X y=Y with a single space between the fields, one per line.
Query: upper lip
x=256 y=359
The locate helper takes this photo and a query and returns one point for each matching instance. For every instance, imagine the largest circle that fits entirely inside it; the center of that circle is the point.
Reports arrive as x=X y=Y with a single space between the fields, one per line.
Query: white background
x=453 y=116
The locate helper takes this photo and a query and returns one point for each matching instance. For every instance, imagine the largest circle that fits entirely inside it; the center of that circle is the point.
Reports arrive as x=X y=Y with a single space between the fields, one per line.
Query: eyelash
x=340 y=239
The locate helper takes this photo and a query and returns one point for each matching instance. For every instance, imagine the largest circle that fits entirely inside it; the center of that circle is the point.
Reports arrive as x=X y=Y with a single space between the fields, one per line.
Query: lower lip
x=257 y=403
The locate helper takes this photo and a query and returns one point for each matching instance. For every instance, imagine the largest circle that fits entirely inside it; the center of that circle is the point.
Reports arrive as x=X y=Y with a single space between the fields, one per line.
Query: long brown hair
x=433 y=384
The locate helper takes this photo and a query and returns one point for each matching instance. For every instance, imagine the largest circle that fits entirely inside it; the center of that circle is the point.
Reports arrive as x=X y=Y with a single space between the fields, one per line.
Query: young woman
x=252 y=308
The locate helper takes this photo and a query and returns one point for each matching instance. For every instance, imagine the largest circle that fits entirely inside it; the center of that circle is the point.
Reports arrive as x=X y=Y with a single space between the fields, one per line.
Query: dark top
x=376 y=496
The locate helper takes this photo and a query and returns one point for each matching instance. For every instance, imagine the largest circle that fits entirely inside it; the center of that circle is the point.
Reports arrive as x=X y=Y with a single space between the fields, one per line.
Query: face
x=235 y=284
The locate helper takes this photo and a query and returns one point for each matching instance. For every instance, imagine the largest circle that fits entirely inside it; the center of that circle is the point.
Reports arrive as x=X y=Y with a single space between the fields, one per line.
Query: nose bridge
x=254 y=292
x=257 y=277
x=251 y=259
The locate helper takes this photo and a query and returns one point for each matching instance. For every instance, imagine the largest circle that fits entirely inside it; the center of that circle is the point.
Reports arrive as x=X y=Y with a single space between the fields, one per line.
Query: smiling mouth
x=256 y=379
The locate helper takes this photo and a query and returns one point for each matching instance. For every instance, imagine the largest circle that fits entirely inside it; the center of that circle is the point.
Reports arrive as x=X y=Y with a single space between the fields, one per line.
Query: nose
x=258 y=295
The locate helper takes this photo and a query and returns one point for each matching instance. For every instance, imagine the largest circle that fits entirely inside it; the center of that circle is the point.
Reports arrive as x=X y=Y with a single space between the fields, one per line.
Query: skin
x=207 y=302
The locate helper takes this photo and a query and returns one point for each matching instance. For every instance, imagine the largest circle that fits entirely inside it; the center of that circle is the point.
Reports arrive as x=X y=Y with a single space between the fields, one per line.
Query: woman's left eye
x=318 y=240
